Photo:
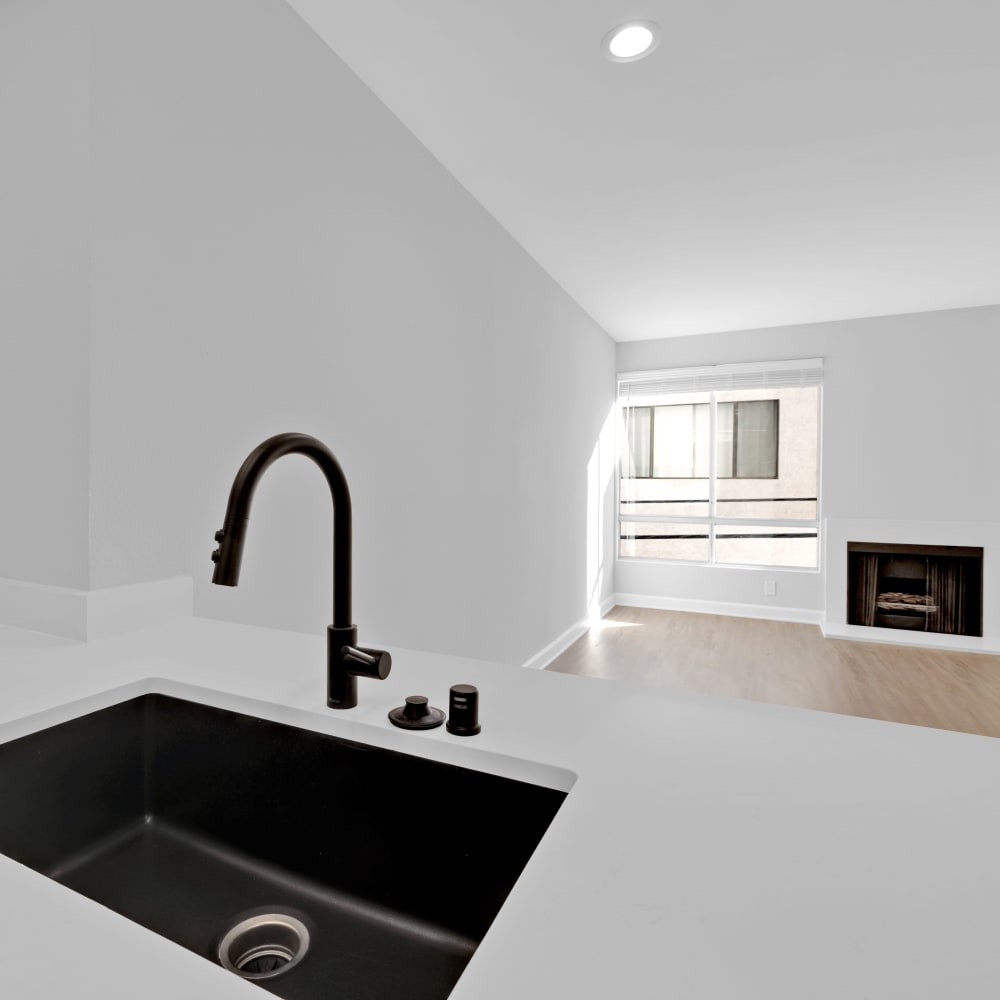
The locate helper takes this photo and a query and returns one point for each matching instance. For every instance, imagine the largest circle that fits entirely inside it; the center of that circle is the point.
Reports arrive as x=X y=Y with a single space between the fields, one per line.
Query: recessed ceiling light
x=630 y=41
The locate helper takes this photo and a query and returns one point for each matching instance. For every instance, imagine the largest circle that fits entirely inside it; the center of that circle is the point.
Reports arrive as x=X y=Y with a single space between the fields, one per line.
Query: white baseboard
x=544 y=657
x=606 y=605
x=94 y=614
x=732 y=610
x=904 y=637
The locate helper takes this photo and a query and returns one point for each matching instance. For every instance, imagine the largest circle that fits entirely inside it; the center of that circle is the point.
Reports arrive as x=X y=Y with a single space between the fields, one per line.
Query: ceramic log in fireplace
x=928 y=588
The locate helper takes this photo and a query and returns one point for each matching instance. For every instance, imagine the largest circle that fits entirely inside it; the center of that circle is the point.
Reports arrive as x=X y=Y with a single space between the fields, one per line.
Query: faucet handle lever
x=373 y=662
x=351 y=653
x=346 y=662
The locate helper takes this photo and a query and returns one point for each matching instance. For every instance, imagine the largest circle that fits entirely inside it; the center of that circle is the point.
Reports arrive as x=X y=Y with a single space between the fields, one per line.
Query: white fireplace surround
x=839 y=531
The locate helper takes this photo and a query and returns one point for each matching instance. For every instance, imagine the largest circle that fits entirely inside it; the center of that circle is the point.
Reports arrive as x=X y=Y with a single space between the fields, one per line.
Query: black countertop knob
x=416 y=714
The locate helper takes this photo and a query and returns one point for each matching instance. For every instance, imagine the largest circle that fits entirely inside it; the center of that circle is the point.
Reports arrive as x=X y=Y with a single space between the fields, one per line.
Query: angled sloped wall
x=274 y=251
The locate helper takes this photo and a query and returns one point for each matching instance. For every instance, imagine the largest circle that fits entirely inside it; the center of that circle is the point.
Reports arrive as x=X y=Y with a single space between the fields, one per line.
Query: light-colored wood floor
x=790 y=664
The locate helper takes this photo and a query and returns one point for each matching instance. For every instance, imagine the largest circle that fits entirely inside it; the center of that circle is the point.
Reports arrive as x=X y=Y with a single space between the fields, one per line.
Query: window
x=673 y=441
x=721 y=465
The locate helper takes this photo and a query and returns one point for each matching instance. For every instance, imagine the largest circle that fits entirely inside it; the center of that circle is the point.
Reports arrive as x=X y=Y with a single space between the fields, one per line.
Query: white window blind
x=636 y=386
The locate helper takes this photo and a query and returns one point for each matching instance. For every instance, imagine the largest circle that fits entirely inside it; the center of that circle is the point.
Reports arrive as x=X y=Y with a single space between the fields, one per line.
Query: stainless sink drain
x=264 y=946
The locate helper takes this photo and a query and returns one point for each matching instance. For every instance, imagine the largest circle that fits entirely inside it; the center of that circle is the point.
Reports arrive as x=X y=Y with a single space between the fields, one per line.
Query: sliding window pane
x=776 y=440
x=635 y=433
x=673 y=442
x=664 y=498
x=747 y=433
x=735 y=502
x=755 y=429
x=665 y=540
x=702 y=440
x=724 y=442
x=771 y=545
x=681 y=434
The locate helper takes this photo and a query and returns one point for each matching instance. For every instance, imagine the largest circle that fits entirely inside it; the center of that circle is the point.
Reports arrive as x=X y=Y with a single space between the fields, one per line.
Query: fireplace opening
x=936 y=588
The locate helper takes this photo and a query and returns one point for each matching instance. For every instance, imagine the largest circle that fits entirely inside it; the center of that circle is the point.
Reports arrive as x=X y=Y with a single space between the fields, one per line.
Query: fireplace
x=927 y=588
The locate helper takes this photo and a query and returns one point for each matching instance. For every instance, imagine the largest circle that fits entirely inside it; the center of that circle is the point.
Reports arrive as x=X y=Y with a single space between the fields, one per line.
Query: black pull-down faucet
x=346 y=661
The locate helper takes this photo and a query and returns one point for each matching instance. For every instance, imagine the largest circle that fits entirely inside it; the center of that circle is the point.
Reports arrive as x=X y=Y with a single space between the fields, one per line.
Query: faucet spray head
x=228 y=556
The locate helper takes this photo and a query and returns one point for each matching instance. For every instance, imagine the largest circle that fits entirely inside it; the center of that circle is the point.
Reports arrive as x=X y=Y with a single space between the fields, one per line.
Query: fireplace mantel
x=838 y=532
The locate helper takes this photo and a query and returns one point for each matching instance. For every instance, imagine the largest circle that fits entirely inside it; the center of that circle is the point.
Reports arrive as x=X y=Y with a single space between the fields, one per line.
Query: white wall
x=908 y=423
x=274 y=251
x=44 y=290
x=212 y=231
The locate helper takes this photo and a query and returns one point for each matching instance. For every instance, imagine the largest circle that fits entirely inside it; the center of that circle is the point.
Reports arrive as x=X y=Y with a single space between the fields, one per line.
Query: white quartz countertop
x=708 y=847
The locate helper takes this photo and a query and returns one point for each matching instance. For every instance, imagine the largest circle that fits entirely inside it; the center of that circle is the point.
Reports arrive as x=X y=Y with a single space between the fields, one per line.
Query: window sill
x=636 y=561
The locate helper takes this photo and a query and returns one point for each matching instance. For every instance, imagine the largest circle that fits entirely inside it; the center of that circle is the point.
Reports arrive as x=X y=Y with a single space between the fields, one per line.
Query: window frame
x=712 y=520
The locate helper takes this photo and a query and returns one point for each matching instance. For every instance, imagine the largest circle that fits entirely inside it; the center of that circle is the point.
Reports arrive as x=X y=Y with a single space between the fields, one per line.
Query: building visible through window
x=673 y=441
x=721 y=475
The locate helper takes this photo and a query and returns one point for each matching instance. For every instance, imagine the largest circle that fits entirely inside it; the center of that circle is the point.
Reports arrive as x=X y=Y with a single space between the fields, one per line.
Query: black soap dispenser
x=463 y=710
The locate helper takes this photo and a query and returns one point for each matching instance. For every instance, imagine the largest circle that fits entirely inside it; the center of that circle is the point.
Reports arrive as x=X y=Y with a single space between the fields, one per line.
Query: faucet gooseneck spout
x=346 y=661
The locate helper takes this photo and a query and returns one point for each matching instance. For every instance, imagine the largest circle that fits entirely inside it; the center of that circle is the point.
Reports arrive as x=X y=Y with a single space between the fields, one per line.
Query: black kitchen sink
x=321 y=867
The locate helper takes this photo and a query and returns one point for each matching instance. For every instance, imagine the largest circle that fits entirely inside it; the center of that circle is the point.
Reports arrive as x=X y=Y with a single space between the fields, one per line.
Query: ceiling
x=771 y=163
